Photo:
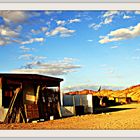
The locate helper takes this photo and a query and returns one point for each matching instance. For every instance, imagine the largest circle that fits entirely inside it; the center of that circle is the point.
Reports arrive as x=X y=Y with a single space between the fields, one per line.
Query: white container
x=42 y=120
x=51 y=117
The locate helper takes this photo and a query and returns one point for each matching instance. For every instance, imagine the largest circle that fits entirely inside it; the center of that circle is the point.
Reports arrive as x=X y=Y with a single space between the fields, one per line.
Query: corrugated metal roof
x=28 y=76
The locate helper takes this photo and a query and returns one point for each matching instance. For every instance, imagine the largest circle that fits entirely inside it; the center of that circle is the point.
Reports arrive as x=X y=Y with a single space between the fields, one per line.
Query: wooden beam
x=59 y=110
x=59 y=96
x=37 y=94
x=12 y=104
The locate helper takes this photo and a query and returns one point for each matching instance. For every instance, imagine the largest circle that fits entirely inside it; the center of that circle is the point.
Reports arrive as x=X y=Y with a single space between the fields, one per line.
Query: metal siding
x=68 y=111
x=77 y=100
x=68 y=100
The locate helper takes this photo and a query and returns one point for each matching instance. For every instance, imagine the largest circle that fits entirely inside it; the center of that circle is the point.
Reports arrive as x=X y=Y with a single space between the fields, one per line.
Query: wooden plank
x=30 y=98
x=32 y=111
x=18 y=117
x=37 y=94
x=59 y=110
x=22 y=115
x=12 y=103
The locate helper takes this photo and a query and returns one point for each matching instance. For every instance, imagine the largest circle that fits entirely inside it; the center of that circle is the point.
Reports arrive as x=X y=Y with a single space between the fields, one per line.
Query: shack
x=27 y=97
x=123 y=100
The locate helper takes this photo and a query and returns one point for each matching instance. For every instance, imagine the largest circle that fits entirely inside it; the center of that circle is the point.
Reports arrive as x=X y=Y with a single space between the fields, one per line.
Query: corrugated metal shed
x=33 y=92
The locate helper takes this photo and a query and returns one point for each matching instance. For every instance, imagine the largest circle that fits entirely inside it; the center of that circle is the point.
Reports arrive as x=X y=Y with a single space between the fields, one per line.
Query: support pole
x=37 y=94
x=59 y=95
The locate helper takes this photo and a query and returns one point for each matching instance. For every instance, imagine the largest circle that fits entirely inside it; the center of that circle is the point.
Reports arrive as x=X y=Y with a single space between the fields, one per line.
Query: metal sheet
x=77 y=100
x=68 y=100
x=90 y=103
x=68 y=111
x=3 y=112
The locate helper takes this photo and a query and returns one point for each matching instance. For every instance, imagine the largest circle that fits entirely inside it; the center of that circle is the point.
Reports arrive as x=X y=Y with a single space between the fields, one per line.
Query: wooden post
x=59 y=110
x=37 y=94
x=0 y=92
x=59 y=95
x=74 y=104
x=59 y=101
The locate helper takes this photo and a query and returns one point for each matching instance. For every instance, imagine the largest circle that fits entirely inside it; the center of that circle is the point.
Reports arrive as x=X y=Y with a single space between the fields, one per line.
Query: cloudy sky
x=87 y=48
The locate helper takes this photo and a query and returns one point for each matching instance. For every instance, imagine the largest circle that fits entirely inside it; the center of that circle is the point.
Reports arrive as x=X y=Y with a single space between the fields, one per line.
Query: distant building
x=123 y=100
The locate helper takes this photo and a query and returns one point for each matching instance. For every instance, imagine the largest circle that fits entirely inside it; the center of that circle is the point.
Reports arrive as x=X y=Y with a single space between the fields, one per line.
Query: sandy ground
x=121 y=117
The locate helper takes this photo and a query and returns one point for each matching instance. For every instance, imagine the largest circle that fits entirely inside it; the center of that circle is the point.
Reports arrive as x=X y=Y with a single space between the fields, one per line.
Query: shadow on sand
x=107 y=110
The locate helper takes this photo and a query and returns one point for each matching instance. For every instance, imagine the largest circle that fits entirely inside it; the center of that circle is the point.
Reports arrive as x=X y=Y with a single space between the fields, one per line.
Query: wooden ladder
x=11 y=106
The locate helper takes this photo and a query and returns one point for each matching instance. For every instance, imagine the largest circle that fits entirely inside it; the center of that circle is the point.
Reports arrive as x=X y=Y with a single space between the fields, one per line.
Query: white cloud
x=42 y=29
x=6 y=31
x=25 y=56
x=114 y=47
x=35 y=31
x=61 y=22
x=52 y=12
x=26 y=49
x=74 y=20
x=137 y=49
x=121 y=34
x=48 y=12
x=107 y=19
x=8 y=35
x=95 y=26
x=4 y=41
x=103 y=65
x=30 y=56
x=126 y=17
x=32 y=40
x=19 y=28
x=110 y=13
x=93 y=87
x=60 y=67
x=62 y=31
x=90 y=40
x=37 y=14
x=38 y=57
x=137 y=12
x=108 y=16
x=14 y=16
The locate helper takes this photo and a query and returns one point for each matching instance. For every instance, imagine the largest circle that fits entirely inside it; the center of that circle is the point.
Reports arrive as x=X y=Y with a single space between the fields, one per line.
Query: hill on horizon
x=133 y=92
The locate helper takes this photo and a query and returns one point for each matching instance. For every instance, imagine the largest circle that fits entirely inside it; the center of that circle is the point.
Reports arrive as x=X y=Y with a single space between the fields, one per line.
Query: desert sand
x=123 y=117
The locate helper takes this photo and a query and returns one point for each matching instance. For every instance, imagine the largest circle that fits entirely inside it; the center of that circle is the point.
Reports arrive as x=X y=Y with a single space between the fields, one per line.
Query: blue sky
x=87 y=48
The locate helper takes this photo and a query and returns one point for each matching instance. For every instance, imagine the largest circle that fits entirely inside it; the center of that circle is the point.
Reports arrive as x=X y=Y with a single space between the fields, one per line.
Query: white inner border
x=69 y=6
x=67 y=1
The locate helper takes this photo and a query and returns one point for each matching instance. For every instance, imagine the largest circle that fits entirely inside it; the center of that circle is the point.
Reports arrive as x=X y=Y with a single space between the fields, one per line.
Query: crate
x=32 y=111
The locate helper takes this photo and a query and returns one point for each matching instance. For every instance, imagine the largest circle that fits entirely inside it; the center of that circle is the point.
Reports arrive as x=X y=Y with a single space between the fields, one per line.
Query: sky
x=87 y=49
